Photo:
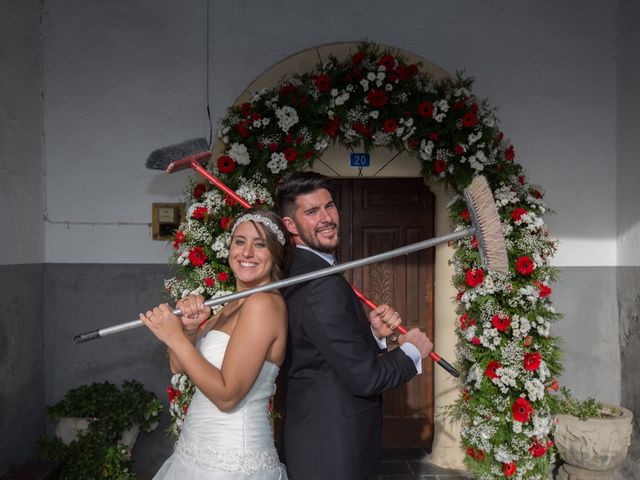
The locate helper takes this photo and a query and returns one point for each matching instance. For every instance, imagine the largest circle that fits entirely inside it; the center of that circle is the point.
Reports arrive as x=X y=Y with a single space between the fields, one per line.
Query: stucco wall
x=628 y=219
x=22 y=244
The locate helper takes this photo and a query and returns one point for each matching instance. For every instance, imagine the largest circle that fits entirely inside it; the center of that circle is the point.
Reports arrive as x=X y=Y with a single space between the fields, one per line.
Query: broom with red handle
x=485 y=226
x=191 y=154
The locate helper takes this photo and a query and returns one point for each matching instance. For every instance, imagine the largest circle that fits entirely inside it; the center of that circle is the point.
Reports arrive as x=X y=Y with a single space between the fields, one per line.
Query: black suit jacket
x=335 y=375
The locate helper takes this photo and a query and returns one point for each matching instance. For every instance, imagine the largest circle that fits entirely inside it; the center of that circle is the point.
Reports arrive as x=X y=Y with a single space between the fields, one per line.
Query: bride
x=233 y=358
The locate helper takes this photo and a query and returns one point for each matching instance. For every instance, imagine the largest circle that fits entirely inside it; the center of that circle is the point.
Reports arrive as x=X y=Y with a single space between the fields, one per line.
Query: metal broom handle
x=414 y=247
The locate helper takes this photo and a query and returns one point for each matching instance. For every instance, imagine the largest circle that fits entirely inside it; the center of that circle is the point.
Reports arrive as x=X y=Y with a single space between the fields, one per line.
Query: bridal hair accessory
x=252 y=217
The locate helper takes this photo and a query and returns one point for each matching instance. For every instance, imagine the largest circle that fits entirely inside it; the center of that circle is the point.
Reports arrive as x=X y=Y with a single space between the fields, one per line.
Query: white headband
x=251 y=217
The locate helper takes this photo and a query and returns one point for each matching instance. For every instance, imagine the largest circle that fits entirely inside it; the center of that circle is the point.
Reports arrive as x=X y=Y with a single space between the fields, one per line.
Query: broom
x=190 y=154
x=484 y=215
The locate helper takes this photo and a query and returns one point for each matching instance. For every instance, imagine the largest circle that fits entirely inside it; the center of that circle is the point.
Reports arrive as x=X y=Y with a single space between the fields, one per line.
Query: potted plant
x=97 y=427
x=592 y=437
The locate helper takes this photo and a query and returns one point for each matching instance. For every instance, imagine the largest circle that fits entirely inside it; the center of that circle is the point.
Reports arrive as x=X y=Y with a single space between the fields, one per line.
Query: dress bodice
x=237 y=444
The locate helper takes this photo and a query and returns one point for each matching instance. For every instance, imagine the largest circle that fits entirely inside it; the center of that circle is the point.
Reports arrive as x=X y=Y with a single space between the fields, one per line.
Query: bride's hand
x=163 y=323
x=194 y=311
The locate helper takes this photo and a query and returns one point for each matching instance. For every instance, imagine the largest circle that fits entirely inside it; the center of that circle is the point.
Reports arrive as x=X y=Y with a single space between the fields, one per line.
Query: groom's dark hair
x=296 y=184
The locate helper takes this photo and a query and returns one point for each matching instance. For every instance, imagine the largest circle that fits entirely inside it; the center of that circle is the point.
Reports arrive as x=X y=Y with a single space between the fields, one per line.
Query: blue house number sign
x=359 y=160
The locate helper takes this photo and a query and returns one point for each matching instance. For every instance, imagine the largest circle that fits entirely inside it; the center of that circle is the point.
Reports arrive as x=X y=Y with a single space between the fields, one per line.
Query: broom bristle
x=486 y=221
x=161 y=158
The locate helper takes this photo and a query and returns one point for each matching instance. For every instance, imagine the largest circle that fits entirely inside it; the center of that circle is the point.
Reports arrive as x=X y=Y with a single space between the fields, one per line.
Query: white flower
x=287 y=118
x=277 y=163
x=239 y=153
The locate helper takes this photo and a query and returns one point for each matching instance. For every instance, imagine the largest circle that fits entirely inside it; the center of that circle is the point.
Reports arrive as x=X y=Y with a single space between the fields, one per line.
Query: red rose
x=543 y=290
x=200 y=213
x=286 y=89
x=474 y=242
x=469 y=119
x=332 y=127
x=474 y=277
x=510 y=154
x=521 y=410
x=323 y=82
x=209 y=282
x=199 y=189
x=197 y=257
x=517 y=213
x=492 y=366
x=439 y=165
x=402 y=71
x=463 y=321
x=479 y=455
x=553 y=386
x=524 y=265
x=531 y=361
x=413 y=69
x=390 y=125
x=357 y=58
x=362 y=129
x=475 y=341
x=223 y=276
x=288 y=139
x=458 y=149
x=538 y=449
x=273 y=147
x=377 y=98
x=229 y=200
x=425 y=109
x=387 y=61
x=521 y=180
x=291 y=154
x=466 y=216
x=225 y=222
x=243 y=128
x=501 y=322
x=509 y=469
x=536 y=193
x=245 y=108
x=178 y=240
x=172 y=393
x=226 y=164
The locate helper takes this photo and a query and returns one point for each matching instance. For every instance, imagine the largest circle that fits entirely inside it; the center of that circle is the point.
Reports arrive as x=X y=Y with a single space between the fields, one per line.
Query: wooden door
x=378 y=215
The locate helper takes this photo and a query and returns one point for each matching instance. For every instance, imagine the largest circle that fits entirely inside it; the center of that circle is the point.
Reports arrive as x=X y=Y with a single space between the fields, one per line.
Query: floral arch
x=375 y=98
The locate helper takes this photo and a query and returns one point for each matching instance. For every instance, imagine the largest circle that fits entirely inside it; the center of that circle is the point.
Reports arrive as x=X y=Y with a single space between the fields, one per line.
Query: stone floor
x=413 y=464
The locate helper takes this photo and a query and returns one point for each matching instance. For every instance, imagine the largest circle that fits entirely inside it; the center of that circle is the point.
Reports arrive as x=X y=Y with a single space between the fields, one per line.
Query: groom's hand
x=384 y=320
x=418 y=339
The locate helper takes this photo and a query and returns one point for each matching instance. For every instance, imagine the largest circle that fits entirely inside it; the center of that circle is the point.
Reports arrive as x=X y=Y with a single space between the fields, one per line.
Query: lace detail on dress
x=248 y=461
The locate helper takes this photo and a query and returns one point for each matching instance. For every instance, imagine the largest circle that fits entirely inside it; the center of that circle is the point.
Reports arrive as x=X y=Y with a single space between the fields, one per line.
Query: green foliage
x=567 y=404
x=97 y=453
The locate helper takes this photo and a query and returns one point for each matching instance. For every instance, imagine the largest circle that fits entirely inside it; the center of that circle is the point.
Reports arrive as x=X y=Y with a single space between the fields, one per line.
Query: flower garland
x=506 y=354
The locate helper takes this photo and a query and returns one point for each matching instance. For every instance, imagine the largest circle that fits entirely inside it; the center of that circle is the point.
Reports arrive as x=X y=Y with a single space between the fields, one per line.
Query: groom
x=337 y=365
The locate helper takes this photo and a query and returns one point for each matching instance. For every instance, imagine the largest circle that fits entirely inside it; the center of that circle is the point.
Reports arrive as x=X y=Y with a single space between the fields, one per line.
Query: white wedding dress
x=237 y=445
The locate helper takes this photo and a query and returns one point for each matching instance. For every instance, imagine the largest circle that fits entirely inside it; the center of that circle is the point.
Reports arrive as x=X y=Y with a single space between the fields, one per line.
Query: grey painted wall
x=81 y=298
x=21 y=162
x=628 y=218
x=22 y=362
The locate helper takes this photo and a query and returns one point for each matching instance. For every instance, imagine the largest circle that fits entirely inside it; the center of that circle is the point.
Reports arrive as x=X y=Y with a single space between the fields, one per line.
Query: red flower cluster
x=492 y=366
x=501 y=322
x=509 y=469
x=474 y=277
x=522 y=410
x=197 y=257
x=531 y=361
x=525 y=266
